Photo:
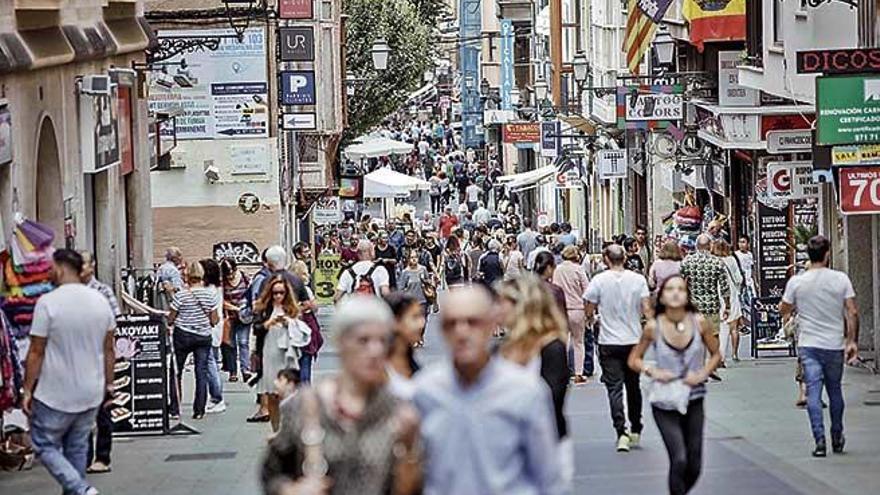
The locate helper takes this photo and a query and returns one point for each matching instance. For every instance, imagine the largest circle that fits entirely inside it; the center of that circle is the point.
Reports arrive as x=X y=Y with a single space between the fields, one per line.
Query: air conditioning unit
x=96 y=85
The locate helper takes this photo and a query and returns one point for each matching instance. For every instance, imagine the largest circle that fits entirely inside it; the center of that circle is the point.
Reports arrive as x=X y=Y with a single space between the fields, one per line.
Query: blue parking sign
x=298 y=87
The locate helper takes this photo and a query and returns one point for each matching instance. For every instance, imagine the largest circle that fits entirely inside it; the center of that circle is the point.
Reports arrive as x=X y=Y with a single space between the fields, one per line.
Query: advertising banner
x=470 y=28
x=508 y=78
x=298 y=87
x=326 y=277
x=99 y=131
x=526 y=132
x=866 y=154
x=848 y=109
x=859 y=190
x=649 y=106
x=568 y=174
x=227 y=93
x=140 y=380
x=296 y=44
x=328 y=211
x=774 y=254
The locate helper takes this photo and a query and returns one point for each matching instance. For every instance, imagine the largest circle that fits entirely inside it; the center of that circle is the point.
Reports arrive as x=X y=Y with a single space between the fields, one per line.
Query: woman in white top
x=213 y=281
x=513 y=259
x=730 y=327
x=409 y=320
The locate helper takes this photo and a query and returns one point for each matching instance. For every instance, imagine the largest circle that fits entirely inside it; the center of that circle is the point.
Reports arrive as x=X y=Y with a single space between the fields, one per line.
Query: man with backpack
x=364 y=277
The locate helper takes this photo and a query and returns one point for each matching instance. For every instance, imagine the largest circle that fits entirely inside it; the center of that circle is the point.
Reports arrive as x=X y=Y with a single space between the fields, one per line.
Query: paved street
x=757 y=443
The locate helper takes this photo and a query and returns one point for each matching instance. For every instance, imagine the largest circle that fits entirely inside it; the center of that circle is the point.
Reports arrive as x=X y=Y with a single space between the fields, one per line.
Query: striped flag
x=641 y=25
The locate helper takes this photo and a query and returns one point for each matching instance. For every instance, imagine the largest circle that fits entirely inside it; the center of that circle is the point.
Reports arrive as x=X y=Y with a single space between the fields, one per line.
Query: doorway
x=50 y=201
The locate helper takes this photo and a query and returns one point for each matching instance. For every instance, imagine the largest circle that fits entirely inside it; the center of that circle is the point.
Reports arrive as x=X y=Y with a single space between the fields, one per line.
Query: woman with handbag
x=348 y=434
x=680 y=338
x=730 y=327
x=275 y=326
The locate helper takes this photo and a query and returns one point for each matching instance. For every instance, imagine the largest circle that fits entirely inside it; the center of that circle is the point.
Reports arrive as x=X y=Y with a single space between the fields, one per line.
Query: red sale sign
x=859 y=190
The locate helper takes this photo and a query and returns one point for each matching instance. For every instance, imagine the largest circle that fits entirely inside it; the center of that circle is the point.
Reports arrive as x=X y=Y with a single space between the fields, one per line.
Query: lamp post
x=664 y=47
x=581 y=68
x=380 y=53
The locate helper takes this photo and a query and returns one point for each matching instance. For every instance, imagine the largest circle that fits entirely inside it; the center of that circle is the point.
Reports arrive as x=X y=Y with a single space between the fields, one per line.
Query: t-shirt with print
x=193 y=308
x=618 y=295
x=74 y=320
x=820 y=294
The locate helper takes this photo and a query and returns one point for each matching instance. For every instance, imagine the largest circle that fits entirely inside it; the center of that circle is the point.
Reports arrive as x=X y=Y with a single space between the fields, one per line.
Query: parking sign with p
x=298 y=87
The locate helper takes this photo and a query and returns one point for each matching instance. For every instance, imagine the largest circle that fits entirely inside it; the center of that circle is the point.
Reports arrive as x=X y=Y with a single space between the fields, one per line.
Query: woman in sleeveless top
x=680 y=338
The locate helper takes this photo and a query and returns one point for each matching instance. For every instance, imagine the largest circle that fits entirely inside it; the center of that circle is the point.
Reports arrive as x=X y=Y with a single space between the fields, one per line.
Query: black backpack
x=490 y=267
x=454 y=268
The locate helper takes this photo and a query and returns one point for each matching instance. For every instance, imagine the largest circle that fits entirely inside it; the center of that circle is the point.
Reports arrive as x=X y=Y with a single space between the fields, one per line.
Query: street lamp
x=380 y=52
x=664 y=47
x=581 y=68
x=540 y=90
x=484 y=87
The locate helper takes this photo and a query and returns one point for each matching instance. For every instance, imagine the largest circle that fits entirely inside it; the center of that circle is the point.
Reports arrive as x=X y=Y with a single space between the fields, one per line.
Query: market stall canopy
x=422 y=94
x=376 y=146
x=386 y=183
x=527 y=180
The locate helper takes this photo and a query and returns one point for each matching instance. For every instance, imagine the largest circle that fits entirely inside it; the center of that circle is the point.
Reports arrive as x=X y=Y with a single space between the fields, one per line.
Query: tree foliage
x=381 y=93
x=430 y=11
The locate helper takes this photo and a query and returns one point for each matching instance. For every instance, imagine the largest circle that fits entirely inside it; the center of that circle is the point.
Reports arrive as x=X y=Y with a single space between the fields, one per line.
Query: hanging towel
x=38 y=234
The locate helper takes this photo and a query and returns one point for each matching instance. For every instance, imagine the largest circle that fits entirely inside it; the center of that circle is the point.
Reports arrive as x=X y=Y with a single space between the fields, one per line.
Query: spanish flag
x=715 y=20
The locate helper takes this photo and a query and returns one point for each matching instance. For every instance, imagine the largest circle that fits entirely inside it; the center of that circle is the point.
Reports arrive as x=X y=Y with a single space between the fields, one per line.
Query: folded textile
x=43 y=266
x=19 y=301
x=23 y=319
x=36 y=233
x=14 y=278
x=22 y=309
x=37 y=289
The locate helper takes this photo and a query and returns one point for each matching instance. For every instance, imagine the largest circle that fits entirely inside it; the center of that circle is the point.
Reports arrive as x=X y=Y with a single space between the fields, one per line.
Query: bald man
x=365 y=275
x=707 y=282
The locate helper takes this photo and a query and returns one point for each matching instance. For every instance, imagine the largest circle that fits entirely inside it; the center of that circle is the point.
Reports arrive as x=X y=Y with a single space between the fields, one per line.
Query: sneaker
x=634 y=439
x=714 y=377
x=837 y=445
x=623 y=443
x=98 y=467
x=92 y=491
x=198 y=416
x=215 y=407
x=820 y=450
x=579 y=379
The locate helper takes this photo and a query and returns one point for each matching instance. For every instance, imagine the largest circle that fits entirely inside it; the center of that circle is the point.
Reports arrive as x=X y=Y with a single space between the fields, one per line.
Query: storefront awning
x=527 y=180
x=745 y=128
x=580 y=123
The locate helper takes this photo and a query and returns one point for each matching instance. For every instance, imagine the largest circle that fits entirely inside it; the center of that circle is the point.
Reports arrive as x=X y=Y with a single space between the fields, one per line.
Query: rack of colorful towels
x=26 y=274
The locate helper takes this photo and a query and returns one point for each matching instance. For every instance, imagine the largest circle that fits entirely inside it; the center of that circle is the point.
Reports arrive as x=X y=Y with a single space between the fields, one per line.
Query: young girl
x=409 y=320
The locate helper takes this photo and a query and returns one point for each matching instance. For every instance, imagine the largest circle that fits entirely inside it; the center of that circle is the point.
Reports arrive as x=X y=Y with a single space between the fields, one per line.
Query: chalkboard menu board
x=140 y=382
x=774 y=252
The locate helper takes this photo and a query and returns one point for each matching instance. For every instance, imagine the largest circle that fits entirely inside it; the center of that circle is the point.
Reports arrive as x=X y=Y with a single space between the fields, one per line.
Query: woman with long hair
x=348 y=434
x=213 y=281
x=680 y=338
x=236 y=286
x=409 y=322
x=454 y=263
x=729 y=334
x=273 y=313
x=307 y=315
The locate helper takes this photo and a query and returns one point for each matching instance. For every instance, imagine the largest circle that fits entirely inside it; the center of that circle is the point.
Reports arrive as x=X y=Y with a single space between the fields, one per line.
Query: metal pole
x=295 y=185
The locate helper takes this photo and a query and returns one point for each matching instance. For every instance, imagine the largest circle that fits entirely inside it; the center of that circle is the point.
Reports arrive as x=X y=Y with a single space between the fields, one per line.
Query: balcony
x=39 y=4
x=515 y=10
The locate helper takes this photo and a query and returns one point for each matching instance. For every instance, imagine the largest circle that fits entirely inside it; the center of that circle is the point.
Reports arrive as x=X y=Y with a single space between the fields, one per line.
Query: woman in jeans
x=680 y=338
x=213 y=281
x=235 y=290
x=193 y=313
x=348 y=435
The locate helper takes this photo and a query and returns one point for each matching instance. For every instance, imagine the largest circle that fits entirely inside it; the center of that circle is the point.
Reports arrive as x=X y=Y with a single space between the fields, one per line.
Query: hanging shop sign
x=848 y=109
x=249 y=203
x=244 y=253
x=796 y=141
x=298 y=87
x=866 y=154
x=326 y=277
x=508 y=79
x=729 y=130
x=226 y=95
x=791 y=180
x=351 y=187
x=840 y=61
x=611 y=164
x=774 y=255
x=297 y=44
x=300 y=121
x=295 y=9
x=5 y=133
x=568 y=174
x=551 y=138
x=140 y=377
x=786 y=122
x=99 y=131
x=328 y=211
x=730 y=92
x=859 y=190
x=649 y=106
x=517 y=133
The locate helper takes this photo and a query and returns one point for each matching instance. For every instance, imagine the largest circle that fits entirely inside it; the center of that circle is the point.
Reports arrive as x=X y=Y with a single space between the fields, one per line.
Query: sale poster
x=326 y=276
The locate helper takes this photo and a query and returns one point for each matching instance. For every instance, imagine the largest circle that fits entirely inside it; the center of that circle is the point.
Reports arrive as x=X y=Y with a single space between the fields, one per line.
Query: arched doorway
x=50 y=202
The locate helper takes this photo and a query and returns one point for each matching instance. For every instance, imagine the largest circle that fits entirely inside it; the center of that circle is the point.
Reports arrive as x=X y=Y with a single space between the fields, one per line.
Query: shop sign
x=298 y=87
x=730 y=92
x=859 y=190
x=5 y=134
x=791 y=180
x=568 y=175
x=295 y=9
x=140 y=374
x=774 y=254
x=328 y=211
x=249 y=203
x=470 y=26
x=840 y=61
x=326 y=277
x=297 y=44
x=866 y=154
x=648 y=107
x=301 y=121
x=796 y=141
x=529 y=132
x=551 y=140
x=508 y=79
x=730 y=128
x=787 y=122
x=611 y=164
x=848 y=110
x=244 y=253
x=99 y=131
x=491 y=117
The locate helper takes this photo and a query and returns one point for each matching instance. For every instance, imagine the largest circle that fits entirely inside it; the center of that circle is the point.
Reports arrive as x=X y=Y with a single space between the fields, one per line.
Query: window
x=777 y=22
x=754 y=32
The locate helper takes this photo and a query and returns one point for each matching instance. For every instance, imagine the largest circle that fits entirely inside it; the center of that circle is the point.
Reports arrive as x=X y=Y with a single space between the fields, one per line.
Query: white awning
x=526 y=180
x=386 y=183
x=422 y=94
x=376 y=146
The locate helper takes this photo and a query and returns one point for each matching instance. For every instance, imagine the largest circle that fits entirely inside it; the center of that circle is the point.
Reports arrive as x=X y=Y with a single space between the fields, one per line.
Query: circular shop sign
x=249 y=203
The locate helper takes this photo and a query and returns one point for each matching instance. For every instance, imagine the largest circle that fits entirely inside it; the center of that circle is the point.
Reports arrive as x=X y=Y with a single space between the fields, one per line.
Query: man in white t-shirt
x=621 y=297
x=472 y=194
x=746 y=261
x=69 y=371
x=364 y=277
x=828 y=329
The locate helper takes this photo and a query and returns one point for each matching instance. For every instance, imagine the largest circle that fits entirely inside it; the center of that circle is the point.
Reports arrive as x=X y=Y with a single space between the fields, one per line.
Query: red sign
x=859 y=190
x=527 y=132
x=843 y=61
x=788 y=122
x=295 y=9
x=126 y=153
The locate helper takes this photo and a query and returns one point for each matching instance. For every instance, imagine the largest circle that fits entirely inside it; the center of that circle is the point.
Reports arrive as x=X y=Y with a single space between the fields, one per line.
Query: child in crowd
x=286 y=384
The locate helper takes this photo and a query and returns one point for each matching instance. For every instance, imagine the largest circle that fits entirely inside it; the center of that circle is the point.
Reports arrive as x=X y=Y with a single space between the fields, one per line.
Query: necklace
x=677 y=325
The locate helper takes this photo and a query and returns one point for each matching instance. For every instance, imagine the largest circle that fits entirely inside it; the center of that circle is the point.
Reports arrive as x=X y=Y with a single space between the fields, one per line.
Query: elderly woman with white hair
x=348 y=435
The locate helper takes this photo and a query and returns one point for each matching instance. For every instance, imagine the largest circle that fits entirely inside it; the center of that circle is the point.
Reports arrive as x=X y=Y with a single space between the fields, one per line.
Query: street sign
x=295 y=9
x=848 y=110
x=611 y=164
x=795 y=141
x=791 y=180
x=526 y=132
x=551 y=141
x=840 y=61
x=328 y=210
x=866 y=154
x=298 y=87
x=859 y=190
x=296 y=44
x=306 y=121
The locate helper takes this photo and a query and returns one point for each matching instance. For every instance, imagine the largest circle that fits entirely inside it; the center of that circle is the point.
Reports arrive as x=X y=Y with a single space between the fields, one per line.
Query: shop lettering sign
x=791 y=180
x=840 y=61
x=859 y=190
x=295 y=9
x=297 y=44
x=847 y=110
x=651 y=107
x=796 y=141
x=774 y=254
x=868 y=154
x=140 y=376
x=529 y=132
x=328 y=210
x=730 y=92
x=326 y=277
x=611 y=164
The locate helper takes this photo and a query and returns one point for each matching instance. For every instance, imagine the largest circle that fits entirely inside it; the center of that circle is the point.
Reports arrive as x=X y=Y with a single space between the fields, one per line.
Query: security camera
x=212 y=173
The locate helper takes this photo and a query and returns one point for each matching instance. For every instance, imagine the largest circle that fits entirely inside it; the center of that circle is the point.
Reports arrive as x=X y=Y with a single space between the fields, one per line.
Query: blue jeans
x=305 y=368
x=200 y=346
x=215 y=385
x=241 y=334
x=823 y=367
x=61 y=440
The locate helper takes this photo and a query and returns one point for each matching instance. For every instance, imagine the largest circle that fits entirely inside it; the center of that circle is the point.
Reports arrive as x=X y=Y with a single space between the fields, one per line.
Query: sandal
x=258 y=418
x=233 y=378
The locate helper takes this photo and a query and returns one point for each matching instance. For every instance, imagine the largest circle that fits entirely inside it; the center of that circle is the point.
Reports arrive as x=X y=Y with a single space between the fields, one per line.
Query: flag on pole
x=720 y=20
x=641 y=25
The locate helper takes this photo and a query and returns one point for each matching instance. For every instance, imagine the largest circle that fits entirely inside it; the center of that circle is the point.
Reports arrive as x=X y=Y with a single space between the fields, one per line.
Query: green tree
x=381 y=93
x=430 y=11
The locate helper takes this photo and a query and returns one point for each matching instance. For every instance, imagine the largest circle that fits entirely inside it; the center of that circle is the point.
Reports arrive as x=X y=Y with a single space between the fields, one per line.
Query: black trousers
x=617 y=375
x=683 y=437
x=101 y=442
